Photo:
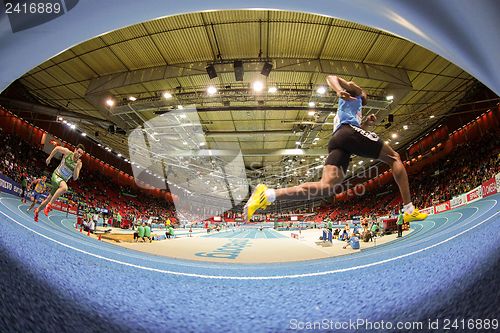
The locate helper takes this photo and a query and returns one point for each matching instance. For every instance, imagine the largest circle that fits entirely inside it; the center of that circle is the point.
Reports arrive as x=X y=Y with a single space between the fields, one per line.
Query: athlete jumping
x=349 y=137
x=69 y=167
x=38 y=191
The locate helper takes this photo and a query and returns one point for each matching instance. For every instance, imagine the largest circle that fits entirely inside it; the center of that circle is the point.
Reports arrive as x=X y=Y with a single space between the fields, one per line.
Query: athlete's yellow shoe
x=258 y=200
x=415 y=216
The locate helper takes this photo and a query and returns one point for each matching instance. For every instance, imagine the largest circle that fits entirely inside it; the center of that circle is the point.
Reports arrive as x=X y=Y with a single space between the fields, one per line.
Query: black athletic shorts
x=348 y=140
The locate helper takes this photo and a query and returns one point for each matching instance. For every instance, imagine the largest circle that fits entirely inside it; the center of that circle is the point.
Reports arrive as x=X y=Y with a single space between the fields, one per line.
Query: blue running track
x=54 y=279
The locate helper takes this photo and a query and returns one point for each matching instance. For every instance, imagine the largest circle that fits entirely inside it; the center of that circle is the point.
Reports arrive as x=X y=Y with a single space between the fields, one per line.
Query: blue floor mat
x=53 y=278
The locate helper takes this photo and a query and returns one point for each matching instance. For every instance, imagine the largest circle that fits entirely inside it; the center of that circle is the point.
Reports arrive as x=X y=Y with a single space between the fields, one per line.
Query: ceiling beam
x=246 y=152
x=391 y=75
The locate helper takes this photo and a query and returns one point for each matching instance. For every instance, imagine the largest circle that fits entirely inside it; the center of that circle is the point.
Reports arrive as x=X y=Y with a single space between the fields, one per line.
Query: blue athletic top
x=348 y=112
x=354 y=241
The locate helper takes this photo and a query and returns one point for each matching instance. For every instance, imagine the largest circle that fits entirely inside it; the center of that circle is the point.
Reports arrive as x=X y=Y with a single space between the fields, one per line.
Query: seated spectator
x=147 y=233
x=354 y=242
x=375 y=229
x=336 y=233
x=345 y=233
x=89 y=226
x=139 y=233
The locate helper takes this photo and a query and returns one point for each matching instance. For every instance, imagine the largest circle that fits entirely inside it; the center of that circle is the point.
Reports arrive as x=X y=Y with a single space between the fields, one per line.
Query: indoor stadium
x=261 y=166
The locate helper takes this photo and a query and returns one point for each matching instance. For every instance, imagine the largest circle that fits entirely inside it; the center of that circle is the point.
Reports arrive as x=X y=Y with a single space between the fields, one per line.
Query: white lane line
x=272 y=277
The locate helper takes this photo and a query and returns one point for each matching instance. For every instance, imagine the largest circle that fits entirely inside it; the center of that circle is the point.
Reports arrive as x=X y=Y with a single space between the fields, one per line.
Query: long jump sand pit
x=246 y=250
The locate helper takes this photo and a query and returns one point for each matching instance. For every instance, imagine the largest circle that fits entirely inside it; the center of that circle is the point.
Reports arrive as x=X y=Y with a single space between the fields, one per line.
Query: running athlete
x=349 y=137
x=69 y=167
x=38 y=191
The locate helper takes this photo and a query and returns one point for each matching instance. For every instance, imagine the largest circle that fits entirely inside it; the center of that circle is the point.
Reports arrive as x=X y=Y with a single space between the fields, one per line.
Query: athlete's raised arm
x=58 y=149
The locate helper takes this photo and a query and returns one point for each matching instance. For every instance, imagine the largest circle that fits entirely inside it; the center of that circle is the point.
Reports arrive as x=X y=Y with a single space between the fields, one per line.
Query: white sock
x=408 y=208
x=271 y=195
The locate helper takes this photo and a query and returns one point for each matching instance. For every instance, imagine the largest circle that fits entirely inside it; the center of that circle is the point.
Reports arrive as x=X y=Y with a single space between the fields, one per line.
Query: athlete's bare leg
x=63 y=187
x=44 y=202
x=32 y=204
x=390 y=157
x=331 y=177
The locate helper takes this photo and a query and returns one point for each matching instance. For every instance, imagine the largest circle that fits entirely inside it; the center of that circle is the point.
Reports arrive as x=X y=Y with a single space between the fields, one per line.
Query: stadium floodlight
x=272 y=90
x=119 y=155
x=167 y=95
x=110 y=102
x=73 y=126
x=211 y=90
x=258 y=86
x=394 y=135
x=84 y=134
x=132 y=98
x=431 y=116
x=321 y=90
x=389 y=97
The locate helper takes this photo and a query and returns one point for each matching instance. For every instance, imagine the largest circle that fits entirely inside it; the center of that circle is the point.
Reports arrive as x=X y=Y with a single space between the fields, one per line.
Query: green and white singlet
x=63 y=172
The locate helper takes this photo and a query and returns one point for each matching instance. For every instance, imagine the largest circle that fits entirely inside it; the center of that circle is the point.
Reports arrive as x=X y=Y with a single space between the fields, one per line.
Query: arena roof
x=146 y=60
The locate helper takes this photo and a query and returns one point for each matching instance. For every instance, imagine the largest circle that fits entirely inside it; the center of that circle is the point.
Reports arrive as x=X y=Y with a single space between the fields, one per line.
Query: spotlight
x=321 y=90
x=431 y=116
x=405 y=127
x=180 y=107
x=132 y=98
x=73 y=126
x=84 y=134
x=389 y=97
x=394 y=135
x=119 y=155
x=110 y=102
x=272 y=90
x=212 y=73
x=311 y=104
x=238 y=70
x=266 y=69
x=167 y=95
x=297 y=143
x=311 y=113
x=61 y=118
x=258 y=86
x=211 y=90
